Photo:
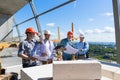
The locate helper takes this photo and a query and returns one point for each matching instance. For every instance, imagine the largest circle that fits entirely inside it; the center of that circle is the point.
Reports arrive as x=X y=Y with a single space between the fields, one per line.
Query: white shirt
x=49 y=48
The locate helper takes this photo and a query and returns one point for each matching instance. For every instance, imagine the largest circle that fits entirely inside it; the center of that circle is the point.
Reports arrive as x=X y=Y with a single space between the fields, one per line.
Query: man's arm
x=22 y=54
x=85 y=48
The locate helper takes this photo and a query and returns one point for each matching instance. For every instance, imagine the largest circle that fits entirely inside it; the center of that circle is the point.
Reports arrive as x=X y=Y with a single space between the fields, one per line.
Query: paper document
x=70 y=49
x=41 y=58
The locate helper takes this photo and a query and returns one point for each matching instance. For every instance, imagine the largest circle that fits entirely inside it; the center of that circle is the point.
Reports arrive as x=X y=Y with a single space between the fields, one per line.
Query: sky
x=93 y=17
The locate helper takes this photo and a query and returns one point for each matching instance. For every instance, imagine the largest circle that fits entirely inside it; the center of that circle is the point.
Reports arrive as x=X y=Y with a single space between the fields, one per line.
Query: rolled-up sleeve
x=86 y=48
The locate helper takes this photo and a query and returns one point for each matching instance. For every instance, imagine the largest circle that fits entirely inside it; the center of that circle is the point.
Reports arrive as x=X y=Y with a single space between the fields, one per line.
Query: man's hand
x=43 y=54
x=63 y=49
x=38 y=34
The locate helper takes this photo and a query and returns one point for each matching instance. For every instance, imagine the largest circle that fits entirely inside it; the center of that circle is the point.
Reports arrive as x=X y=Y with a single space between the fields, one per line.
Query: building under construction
x=96 y=71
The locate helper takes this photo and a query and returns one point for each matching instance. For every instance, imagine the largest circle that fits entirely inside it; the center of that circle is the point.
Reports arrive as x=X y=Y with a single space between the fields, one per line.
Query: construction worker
x=49 y=47
x=64 y=42
x=26 y=47
x=83 y=47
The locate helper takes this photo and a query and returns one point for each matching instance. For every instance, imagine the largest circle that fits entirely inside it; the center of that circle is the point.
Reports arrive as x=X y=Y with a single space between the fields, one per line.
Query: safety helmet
x=81 y=34
x=70 y=33
x=47 y=32
x=30 y=30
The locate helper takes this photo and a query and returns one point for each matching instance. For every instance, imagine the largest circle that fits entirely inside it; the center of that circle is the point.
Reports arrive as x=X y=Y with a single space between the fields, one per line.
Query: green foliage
x=103 y=52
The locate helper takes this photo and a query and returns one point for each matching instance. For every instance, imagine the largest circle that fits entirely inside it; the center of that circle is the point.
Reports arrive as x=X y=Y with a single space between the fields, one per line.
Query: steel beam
x=116 y=11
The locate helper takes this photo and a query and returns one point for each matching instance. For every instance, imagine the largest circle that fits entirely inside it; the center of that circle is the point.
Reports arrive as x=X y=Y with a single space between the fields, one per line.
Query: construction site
x=85 y=69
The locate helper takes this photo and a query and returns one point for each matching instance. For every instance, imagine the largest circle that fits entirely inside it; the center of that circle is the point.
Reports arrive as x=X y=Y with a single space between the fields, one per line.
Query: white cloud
x=91 y=19
x=108 y=14
x=109 y=30
x=104 y=34
x=103 y=37
x=98 y=31
x=94 y=31
x=50 y=24
x=89 y=31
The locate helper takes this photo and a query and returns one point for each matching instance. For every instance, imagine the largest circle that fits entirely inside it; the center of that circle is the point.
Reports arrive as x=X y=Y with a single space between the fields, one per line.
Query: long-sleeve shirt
x=49 y=48
x=83 y=47
x=38 y=49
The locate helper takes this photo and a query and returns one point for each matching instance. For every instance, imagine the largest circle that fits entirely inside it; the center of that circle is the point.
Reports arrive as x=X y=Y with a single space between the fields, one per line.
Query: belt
x=81 y=54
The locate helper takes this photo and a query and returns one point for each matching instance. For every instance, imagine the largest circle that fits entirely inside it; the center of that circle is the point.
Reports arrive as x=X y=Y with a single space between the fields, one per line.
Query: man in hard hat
x=64 y=42
x=49 y=47
x=83 y=47
x=26 y=47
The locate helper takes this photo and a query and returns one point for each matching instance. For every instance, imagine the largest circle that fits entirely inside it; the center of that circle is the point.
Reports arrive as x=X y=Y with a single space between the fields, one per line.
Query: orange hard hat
x=70 y=33
x=30 y=30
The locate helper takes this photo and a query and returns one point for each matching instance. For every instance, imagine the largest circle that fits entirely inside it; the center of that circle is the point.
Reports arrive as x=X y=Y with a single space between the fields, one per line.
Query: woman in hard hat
x=26 y=47
x=83 y=47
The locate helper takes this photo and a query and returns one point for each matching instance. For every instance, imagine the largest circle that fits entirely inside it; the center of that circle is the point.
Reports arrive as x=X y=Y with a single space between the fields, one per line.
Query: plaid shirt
x=26 y=47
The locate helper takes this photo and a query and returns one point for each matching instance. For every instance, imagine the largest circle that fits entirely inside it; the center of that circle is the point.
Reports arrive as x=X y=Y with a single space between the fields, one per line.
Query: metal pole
x=18 y=31
x=56 y=7
x=35 y=15
x=117 y=27
x=47 y=11
x=7 y=35
x=73 y=31
x=58 y=33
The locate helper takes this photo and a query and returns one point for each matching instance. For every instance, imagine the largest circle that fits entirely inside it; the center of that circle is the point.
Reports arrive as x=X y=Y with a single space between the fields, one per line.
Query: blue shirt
x=38 y=49
x=26 y=48
x=82 y=45
x=64 y=42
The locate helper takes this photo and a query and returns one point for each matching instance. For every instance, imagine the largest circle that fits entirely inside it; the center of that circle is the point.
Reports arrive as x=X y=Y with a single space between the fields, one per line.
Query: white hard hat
x=47 y=32
x=81 y=34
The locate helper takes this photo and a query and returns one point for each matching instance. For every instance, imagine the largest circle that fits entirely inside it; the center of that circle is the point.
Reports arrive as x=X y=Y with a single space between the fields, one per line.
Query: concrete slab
x=11 y=6
x=64 y=70
x=117 y=75
x=105 y=78
x=109 y=71
x=43 y=72
x=76 y=70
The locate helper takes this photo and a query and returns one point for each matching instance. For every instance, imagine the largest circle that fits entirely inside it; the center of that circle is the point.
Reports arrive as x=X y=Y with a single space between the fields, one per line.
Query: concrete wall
x=77 y=70
x=111 y=72
x=64 y=70
x=6 y=27
x=3 y=18
x=43 y=72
